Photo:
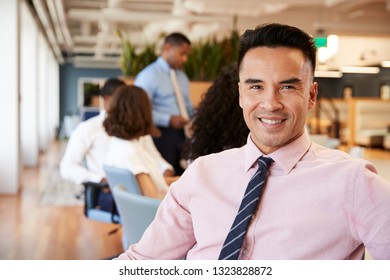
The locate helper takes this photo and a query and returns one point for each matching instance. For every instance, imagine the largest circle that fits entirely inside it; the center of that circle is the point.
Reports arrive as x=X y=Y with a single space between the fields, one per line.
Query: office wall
x=364 y=85
x=69 y=77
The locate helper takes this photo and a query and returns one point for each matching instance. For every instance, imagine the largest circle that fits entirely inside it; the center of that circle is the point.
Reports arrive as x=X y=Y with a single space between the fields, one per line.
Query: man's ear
x=313 y=95
x=239 y=97
x=168 y=47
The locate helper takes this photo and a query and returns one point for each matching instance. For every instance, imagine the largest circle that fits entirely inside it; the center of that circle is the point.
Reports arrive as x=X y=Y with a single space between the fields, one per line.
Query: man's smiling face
x=276 y=91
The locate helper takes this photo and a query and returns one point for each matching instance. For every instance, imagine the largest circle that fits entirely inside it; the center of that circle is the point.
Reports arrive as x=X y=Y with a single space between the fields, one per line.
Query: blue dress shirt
x=156 y=81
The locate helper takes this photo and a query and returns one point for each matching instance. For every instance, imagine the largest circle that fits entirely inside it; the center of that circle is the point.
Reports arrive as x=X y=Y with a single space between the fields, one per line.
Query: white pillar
x=9 y=85
x=53 y=96
x=43 y=137
x=29 y=86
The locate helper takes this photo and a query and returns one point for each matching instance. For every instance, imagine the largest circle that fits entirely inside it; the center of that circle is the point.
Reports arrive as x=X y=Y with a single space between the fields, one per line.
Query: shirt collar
x=102 y=114
x=163 y=64
x=285 y=157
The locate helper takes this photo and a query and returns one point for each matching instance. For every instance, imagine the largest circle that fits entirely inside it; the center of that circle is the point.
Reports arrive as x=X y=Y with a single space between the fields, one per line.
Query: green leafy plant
x=144 y=58
x=208 y=58
x=205 y=61
x=127 y=56
x=127 y=59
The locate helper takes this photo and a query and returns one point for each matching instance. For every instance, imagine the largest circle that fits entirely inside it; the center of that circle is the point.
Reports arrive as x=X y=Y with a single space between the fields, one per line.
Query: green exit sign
x=320 y=42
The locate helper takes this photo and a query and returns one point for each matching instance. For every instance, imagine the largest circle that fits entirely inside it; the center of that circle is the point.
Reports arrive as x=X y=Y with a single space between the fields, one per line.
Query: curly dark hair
x=129 y=114
x=218 y=123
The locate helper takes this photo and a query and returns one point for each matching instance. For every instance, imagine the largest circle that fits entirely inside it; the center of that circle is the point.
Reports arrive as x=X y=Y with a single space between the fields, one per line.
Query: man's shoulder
x=91 y=124
x=153 y=67
x=150 y=77
x=322 y=152
x=335 y=157
x=96 y=120
x=224 y=157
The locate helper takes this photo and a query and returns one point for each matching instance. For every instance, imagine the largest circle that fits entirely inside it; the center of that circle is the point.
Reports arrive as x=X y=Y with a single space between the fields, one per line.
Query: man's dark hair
x=274 y=35
x=176 y=39
x=110 y=86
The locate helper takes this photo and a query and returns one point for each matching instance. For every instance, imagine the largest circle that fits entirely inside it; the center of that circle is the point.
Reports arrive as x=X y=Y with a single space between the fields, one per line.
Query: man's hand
x=169 y=173
x=178 y=122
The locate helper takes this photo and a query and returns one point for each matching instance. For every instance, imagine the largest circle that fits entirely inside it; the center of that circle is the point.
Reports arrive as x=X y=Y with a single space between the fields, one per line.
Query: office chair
x=91 y=211
x=116 y=176
x=125 y=177
x=136 y=212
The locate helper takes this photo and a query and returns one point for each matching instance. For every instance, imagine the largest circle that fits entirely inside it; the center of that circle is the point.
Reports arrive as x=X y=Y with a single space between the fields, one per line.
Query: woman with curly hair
x=129 y=123
x=218 y=123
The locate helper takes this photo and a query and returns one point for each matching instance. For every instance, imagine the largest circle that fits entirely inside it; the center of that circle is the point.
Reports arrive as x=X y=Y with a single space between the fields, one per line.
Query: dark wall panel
x=69 y=76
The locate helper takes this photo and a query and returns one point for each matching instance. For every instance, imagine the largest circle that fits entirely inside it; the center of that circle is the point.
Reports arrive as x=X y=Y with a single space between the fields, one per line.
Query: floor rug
x=61 y=192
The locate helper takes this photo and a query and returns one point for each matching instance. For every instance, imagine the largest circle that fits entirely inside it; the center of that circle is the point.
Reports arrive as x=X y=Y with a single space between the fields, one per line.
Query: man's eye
x=287 y=88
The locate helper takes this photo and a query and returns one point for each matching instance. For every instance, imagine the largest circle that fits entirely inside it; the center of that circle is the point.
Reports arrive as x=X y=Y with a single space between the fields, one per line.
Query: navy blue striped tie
x=233 y=242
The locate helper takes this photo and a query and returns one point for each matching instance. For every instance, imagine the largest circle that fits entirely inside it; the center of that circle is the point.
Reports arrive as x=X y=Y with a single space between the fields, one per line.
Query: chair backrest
x=116 y=176
x=136 y=212
x=92 y=192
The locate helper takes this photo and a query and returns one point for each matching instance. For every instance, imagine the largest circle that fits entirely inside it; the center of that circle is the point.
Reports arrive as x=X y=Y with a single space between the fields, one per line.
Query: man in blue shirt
x=156 y=80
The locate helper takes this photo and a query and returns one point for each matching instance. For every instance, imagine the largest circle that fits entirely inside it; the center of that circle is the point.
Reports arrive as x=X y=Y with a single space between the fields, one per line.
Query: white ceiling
x=83 y=31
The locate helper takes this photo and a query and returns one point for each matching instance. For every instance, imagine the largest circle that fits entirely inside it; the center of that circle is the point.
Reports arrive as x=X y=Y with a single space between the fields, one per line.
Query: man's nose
x=270 y=100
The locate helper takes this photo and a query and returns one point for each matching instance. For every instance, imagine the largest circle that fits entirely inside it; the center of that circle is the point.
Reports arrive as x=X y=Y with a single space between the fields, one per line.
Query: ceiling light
x=327 y=74
x=326 y=53
x=360 y=70
x=385 y=63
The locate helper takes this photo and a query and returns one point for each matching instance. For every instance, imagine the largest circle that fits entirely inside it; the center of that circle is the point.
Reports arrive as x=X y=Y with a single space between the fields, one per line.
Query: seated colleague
x=129 y=122
x=217 y=124
x=316 y=203
x=87 y=148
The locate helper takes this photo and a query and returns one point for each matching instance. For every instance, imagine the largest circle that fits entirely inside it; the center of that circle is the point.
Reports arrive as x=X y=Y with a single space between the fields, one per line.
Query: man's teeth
x=271 y=121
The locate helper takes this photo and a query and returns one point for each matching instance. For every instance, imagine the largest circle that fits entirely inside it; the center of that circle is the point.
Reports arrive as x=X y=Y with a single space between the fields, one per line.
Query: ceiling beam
x=47 y=25
x=55 y=20
x=119 y=15
x=63 y=23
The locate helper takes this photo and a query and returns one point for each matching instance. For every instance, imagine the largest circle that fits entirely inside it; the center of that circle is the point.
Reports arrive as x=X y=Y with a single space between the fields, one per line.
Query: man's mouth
x=268 y=121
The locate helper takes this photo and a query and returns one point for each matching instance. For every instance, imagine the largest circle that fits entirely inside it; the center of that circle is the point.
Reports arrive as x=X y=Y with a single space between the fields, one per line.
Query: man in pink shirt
x=317 y=203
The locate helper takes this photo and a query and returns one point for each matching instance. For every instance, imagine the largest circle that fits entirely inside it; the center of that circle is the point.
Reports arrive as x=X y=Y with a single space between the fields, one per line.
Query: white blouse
x=139 y=156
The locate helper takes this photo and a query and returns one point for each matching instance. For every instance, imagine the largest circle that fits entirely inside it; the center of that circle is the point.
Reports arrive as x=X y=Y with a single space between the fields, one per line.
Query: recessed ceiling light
x=385 y=63
x=361 y=70
x=327 y=74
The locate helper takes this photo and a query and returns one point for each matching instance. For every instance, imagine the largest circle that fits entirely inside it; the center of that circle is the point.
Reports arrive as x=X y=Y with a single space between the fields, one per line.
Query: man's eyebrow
x=252 y=81
x=288 y=81
x=291 y=81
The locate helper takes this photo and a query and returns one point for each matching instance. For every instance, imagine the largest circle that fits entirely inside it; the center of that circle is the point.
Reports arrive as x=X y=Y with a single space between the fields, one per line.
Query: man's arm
x=372 y=207
x=170 y=236
x=163 y=104
x=72 y=165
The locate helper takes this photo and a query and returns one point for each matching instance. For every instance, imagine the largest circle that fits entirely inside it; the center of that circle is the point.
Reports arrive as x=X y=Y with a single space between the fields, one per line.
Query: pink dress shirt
x=318 y=203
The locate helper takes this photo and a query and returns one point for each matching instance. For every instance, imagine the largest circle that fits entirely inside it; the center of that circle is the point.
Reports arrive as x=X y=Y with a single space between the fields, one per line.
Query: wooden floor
x=31 y=231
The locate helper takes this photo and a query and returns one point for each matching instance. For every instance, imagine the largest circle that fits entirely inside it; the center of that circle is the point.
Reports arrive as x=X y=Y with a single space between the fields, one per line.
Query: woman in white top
x=129 y=123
